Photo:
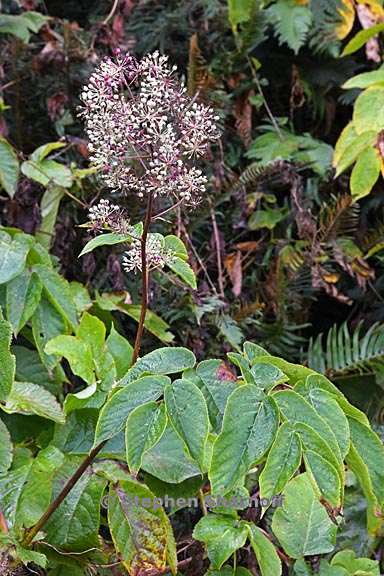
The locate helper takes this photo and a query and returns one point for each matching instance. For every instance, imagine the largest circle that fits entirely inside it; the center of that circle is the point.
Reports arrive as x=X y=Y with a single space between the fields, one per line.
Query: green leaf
x=153 y=323
x=168 y=459
x=371 y=450
x=365 y=173
x=140 y=529
x=266 y=218
x=352 y=152
x=59 y=294
x=283 y=460
x=144 y=428
x=22 y=25
x=216 y=383
x=115 y=412
x=368 y=111
x=91 y=331
x=365 y=80
x=296 y=409
x=175 y=245
x=161 y=361
x=43 y=151
x=267 y=558
x=361 y=38
x=23 y=295
x=188 y=414
x=30 y=556
x=28 y=398
x=26 y=491
x=77 y=352
x=9 y=164
x=222 y=535
x=121 y=351
x=13 y=253
x=6 y=448
x=325 y=476
x=311 y=440
x=108 y=239
x=358 y=566
x=267 y=376
x=249 y=427
x=47 y=323
x=49 y=208
x=7 y=360
x=48 y=172
x=302 y=524
x=239 y=11
x=75 y=524
x=183 y=270
x=36 y=493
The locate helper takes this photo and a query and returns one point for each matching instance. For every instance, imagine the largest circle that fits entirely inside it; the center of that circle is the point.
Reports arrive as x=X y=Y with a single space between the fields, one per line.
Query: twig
x=110 y=15
x=266 y=105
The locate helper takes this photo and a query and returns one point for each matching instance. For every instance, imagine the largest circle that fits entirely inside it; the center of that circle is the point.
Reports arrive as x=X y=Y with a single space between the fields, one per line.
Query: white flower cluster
x=144 y=131
x=156 y=255
x=101 y=213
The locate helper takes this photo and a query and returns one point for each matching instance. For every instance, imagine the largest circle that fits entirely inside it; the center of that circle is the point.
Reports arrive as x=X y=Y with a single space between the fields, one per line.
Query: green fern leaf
x=342 y=352
x=291 y=23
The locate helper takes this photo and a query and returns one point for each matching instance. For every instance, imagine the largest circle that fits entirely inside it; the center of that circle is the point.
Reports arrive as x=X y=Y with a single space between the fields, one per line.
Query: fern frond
x=341 y=218
x=344 y=352
x=257 y=174
x=291 y=22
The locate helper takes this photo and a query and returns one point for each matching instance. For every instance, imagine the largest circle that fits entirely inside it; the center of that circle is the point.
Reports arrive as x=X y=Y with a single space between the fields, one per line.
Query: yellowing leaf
x=365 y=173
x=347 y=13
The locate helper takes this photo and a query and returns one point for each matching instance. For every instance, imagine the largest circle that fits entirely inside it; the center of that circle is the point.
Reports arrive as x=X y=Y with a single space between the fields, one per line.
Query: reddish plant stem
x=144 y=275
x=32 y=532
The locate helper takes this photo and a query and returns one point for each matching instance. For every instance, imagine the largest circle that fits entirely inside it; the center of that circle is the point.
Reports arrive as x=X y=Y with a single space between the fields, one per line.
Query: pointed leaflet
x=140 y=529
x=121 y=351
x=75 y=524
x=9 y=167
x=105 y=240
x=144 y=428
x=327 y=406
x=249 y=427
x=36 y=493
x=78 y=354
x=325 y=477
x=267 y=558
x=216 y=384
x=46 y=324
x=311 y=440
x=114 y=413
x=282 y=462
x=168 y=459
x=371 y=450
x=267 y=376
x=302 y=524
x=28 y=398
x=22 y=298
x=223 y=535
x=365 y=172
x=161 y=361
x=26 y=491
x=296 y=409
x=7 y=360
x=188 y=414
x=13 y=254
x=58 y=293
